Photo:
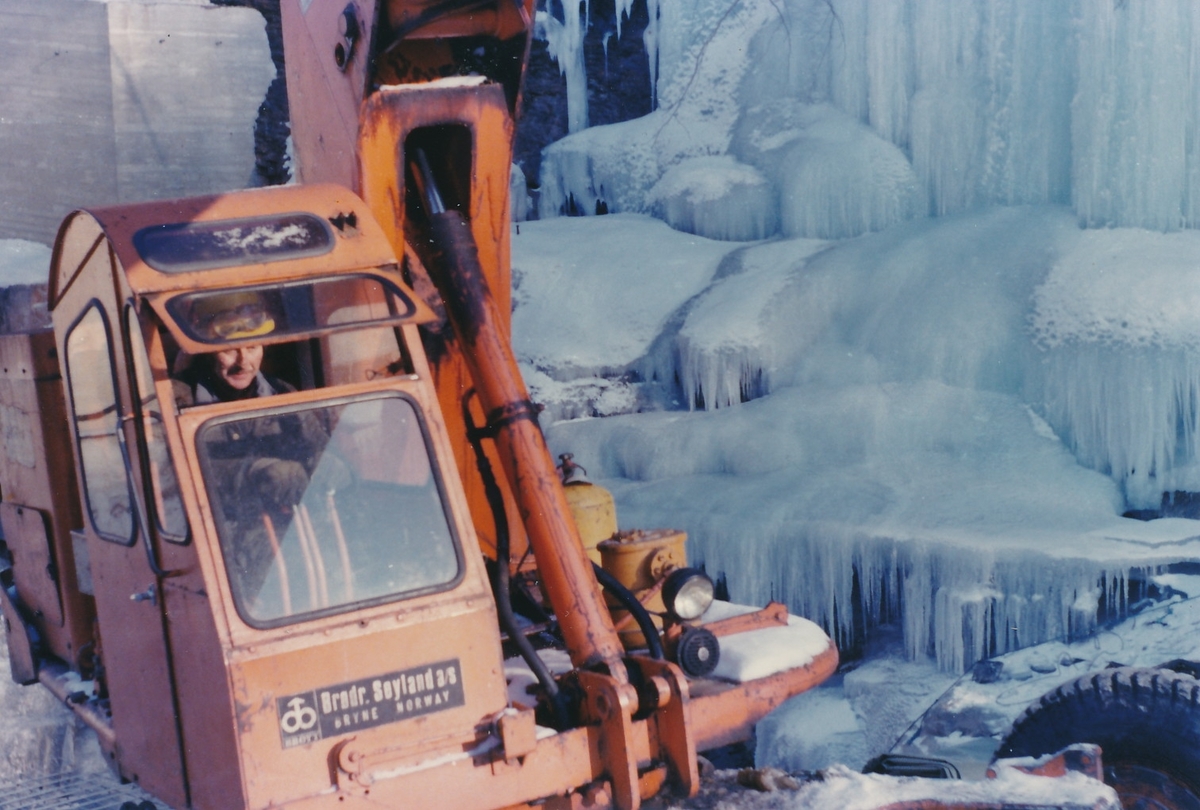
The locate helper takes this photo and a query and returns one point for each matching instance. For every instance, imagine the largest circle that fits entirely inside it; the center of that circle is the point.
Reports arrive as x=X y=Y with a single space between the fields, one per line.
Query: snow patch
x=591 y=295
x=760 y=653
x=813 y=730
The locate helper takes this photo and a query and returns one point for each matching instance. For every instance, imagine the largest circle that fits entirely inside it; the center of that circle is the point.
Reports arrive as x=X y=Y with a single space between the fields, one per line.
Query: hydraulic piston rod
x=564 y=567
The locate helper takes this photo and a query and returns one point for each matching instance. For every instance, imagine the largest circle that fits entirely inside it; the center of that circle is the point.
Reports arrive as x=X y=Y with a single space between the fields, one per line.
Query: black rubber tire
x=1146 y=722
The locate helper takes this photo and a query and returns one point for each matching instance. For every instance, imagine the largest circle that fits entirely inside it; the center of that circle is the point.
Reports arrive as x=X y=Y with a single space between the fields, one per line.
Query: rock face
x=106 y=103
x=272 y=127
x=618 y=82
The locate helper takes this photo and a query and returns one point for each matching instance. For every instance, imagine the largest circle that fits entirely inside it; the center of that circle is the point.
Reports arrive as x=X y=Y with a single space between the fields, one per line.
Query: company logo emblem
x=345 y=707
x=299 y=716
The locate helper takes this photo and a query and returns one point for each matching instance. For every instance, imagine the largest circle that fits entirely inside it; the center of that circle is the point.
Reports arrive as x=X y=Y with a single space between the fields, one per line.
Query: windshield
x=321 y=508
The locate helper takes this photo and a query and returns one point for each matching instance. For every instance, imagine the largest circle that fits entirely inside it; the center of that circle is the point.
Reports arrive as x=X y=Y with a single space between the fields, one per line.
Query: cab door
x=137 y=667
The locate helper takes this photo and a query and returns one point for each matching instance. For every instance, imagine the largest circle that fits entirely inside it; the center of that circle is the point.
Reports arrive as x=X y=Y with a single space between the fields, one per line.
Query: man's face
x=238 y=367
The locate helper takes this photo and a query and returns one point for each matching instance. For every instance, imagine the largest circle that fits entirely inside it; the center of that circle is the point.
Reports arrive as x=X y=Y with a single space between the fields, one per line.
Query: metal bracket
x=678 y=744
x=613 y=704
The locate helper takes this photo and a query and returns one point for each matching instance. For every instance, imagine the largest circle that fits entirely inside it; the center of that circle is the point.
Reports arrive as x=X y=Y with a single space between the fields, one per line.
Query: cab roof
x=226 y=240
x=174 y=251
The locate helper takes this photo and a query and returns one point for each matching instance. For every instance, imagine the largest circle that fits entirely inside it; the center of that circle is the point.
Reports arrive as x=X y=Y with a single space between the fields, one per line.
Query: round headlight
x=687 y=593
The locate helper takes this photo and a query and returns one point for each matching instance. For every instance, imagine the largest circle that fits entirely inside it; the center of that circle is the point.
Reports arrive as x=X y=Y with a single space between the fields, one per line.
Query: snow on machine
x=313 y=590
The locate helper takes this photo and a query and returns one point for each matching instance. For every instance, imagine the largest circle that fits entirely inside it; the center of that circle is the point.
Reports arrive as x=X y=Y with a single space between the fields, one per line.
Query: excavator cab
x=267 y=571
x=291 y=602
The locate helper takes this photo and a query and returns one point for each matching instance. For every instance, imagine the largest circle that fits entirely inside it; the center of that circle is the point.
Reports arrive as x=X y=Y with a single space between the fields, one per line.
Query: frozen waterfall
x=938 y=425
x=1087 y=104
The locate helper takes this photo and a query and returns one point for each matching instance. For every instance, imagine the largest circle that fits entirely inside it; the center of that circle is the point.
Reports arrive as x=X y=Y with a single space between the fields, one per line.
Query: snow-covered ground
x=889 y=704
x=840 y=788
x=39 y=735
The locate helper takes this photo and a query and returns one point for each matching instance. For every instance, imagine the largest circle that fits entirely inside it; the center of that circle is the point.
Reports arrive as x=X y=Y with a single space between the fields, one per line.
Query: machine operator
x=260 y=466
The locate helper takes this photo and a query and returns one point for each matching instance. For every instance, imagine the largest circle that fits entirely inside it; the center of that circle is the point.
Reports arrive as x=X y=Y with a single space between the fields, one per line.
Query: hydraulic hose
x=640 y=615
x=501 y=583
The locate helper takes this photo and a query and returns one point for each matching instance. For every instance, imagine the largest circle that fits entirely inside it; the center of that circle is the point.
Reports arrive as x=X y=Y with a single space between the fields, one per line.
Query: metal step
x=72 y=791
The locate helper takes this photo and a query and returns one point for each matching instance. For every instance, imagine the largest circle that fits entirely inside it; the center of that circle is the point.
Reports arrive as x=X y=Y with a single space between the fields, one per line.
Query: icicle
x=1135 y=125
x=1133 y=413
x=650 y=38
x=565 y=45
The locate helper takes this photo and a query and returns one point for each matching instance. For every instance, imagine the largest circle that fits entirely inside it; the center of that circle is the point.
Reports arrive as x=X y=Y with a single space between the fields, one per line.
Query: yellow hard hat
x=232 y=316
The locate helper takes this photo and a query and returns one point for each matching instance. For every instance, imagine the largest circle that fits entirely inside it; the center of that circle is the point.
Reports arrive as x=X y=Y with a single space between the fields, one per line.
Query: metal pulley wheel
x=698 y=652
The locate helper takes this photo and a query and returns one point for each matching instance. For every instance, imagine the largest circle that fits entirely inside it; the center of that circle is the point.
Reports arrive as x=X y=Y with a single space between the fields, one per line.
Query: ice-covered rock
x=717 y=197
x=1118 y=322
x=895 y=454
x=725 y=351
x=615 y=164
x=591 y=296
x=834 y=176
x=702 y=60
x=1093 y=105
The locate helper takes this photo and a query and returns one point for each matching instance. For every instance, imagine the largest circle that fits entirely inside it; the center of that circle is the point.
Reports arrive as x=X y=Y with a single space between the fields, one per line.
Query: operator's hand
x=279 y=482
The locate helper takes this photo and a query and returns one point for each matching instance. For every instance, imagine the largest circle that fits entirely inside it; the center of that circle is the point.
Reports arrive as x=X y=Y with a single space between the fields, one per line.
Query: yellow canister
x=640 y=560
x=595 y=514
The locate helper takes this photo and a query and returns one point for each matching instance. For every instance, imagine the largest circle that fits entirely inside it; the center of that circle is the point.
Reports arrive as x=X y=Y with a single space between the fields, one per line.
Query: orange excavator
x=365 y=583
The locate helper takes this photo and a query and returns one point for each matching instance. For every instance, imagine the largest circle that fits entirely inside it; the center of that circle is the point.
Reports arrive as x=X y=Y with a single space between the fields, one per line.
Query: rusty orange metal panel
x=278 y=676
x=403 y=689
x=323 y=96
x=137 y=663
x=38 y=485
x=486 y=780
x=501 y=20
x=205 y=707
x=559 y=764
x=722 y=713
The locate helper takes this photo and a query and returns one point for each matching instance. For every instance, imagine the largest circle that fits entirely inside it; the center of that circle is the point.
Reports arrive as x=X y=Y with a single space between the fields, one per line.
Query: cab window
x=94 y=410
x=168 y=508
x=323 y=508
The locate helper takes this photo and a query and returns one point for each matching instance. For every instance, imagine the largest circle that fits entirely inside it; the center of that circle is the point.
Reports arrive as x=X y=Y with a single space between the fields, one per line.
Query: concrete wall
x=123 y=101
